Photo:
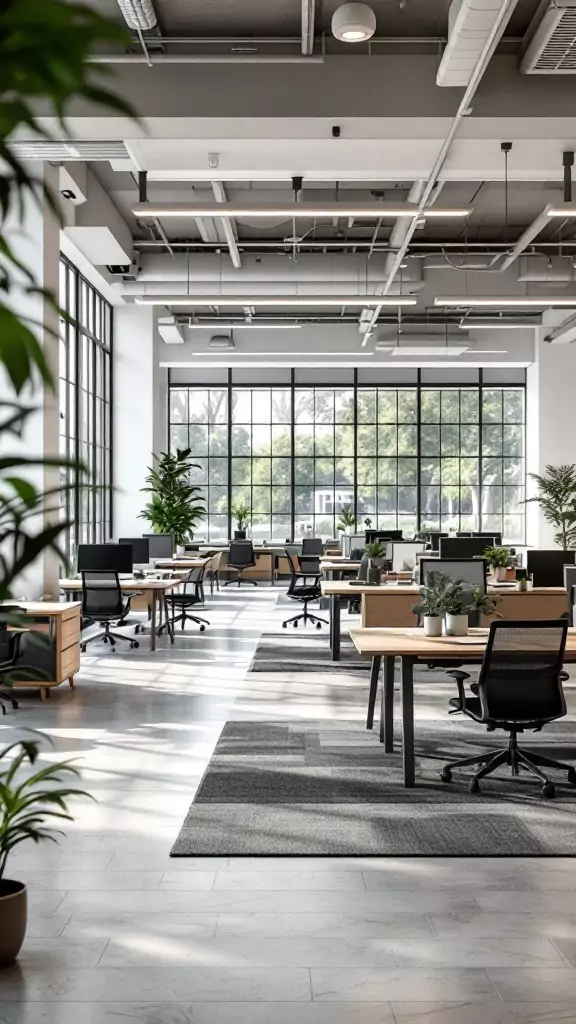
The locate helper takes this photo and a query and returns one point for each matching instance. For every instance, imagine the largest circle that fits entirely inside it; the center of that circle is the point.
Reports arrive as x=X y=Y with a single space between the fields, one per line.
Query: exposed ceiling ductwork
x=470 y=24
x=138 y=14
x=551 y=49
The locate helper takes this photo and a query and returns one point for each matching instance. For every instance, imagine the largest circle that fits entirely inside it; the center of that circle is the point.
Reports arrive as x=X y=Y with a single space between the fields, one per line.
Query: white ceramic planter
x=498 y=573
x=432 y=625
x=456 y=625
x=180 y=549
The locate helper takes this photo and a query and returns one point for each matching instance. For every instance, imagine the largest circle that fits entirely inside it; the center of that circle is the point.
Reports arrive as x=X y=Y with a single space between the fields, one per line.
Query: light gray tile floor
x=119 y=932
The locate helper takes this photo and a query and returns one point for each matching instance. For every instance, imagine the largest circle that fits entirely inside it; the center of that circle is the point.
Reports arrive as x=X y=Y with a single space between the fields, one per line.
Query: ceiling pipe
x=464 y=108
x=308 y=16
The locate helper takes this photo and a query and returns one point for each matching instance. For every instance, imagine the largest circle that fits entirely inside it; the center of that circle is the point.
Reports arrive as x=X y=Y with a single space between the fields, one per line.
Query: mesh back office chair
x=9 y=651
x=241 y=557
x=192 y=594
x=313 y=546
x=304 y=586
x=519 y=687
x=102 y=602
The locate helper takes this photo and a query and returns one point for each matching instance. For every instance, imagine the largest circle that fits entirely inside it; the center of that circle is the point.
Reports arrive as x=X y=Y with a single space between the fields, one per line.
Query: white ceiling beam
x=228 y=225
x=527 y=236
x=308 y=15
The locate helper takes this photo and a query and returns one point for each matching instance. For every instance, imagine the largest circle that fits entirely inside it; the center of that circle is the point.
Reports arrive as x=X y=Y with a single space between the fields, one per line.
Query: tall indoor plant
x=241 y=513
x=27 y=803
x=557 y=500
x=176 y=506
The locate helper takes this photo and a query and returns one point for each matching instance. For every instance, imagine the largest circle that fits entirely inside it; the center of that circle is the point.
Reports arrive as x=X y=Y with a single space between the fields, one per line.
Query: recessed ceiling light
x=353 y=23
x=275 y=300
x=465 y=301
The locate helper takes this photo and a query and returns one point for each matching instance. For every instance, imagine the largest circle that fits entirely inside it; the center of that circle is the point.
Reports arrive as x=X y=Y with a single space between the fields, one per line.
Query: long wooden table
x=391 y=604
x=153 y=590
x=411 y=646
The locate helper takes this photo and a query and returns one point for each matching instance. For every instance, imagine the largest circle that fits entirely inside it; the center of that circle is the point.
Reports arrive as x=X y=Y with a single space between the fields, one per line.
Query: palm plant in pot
x=457 y=603
x=430 y=607
x=176 y=506
x=498 y=560
x=241 y=513
x=27 y=802
x=347 y=521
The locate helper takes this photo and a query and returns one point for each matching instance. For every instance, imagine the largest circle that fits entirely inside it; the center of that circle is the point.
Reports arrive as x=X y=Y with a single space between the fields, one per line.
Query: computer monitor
x=434 y=539
x=492 y=537
x=463 y=547
x=160 y=545
x=140 y=549
x=373 y=535
x=104 y=558
x=472 y=571
x=547 y=566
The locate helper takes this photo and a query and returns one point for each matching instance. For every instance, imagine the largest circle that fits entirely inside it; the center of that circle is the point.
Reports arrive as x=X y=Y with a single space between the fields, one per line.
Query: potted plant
x=499 y=561
x=26 y=802
x=457 y=602
x=373 y=561
x=368 y=523
x=557 y=499
x=176 y=505
x=485 y=603
x=347 y=521
x=241 y=513
x=431 y=607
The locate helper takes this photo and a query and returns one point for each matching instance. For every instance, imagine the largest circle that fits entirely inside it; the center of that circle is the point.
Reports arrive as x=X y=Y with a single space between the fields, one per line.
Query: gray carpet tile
x=300 y=651
x=328 y=789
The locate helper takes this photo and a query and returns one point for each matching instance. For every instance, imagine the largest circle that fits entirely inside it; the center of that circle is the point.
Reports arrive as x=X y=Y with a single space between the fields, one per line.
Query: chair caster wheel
x=135 y=644
x=474 y=786
x=202 y=628
x=446 y=775
x=295 y=625
x=549 y=790
x=284 y=625
x=83 y=648
x=572 y=776
x=318 y=625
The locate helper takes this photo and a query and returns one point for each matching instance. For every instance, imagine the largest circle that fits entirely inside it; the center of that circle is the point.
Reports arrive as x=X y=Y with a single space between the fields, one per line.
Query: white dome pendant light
x=353 y=23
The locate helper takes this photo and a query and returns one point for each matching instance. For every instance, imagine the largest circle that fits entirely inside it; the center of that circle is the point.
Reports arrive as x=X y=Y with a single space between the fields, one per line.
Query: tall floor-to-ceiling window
x=403 y=457
x=85 y=387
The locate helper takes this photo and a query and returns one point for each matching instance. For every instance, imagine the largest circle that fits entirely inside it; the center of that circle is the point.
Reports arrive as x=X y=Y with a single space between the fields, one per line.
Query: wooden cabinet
x=50 y=646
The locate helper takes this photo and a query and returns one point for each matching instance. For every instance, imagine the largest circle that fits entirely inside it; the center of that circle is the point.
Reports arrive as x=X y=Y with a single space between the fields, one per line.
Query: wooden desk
x=154 y=591
x=396 y=606
x=182 y=562
x=57 y=660
x=410 y=645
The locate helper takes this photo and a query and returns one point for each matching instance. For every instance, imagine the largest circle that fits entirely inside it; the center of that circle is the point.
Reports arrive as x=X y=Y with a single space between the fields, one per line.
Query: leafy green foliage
x=432 y=594
x=347 y=518
x=443 y=595
x=557 y=499
x=499 y=558
x=27 y=800
x=375 y=550
x=241 y=513
x=176 y=505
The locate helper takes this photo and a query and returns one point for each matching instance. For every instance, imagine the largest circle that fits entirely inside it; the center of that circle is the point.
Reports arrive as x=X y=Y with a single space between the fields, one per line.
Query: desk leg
x=153 y=621
x=387 y=708
x=335 y=626
x=374 y=674
x=169 y=621
x=408 y=721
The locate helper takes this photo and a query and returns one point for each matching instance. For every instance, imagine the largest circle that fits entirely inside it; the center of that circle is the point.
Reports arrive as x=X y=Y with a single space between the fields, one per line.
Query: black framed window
x=85 y=387
x=407 y=457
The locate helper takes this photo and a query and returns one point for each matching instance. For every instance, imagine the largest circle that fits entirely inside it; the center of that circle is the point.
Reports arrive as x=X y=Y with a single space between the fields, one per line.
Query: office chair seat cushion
x=305 y=593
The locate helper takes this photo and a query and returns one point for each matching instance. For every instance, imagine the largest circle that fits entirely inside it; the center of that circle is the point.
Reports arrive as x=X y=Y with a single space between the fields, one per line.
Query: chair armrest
x=458 y=677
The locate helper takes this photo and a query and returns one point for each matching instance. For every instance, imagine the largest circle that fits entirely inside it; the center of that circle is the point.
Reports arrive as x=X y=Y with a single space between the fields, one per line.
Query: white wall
x=550 y=423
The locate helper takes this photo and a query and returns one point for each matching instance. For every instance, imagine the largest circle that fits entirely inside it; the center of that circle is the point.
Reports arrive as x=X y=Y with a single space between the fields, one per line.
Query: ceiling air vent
x=552 y=46
x=55 y=150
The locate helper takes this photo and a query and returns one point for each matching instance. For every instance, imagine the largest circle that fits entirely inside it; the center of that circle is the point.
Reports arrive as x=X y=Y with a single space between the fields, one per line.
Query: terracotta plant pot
x=13 y=918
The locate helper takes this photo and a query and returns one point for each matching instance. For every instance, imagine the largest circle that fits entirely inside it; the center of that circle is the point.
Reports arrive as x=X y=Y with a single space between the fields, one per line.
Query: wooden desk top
x=345 y=588
x=333 y=565
x=398 y=641
x=52 y=608
x=182 y=563
x=126 y=584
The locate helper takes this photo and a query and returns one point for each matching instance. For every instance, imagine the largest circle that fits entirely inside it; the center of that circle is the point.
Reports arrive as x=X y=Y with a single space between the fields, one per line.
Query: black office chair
x=9 y=651
x=519 y=687
x=313 y=547
x=186 y=599
x=241 y=557
x=102 y=602
x=304 y=586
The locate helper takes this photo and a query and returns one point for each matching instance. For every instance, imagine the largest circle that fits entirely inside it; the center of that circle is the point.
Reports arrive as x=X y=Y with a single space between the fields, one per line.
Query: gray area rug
x=328 y=789
x=298 y=651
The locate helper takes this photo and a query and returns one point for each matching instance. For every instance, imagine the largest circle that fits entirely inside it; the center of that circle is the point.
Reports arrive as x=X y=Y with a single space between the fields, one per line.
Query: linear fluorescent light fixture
x=290 y=209
x=429 y=350
x=561 y=211
x=276 y=300
x=496 y=325
x=244 y=327
x=465 y=301
x=272 y=355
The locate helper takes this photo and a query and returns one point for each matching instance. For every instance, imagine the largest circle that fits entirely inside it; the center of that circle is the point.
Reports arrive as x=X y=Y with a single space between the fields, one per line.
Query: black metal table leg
x=387 y=707
x=335 y=626
x=408 y=720
x=169 y=621
x=374 y=674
